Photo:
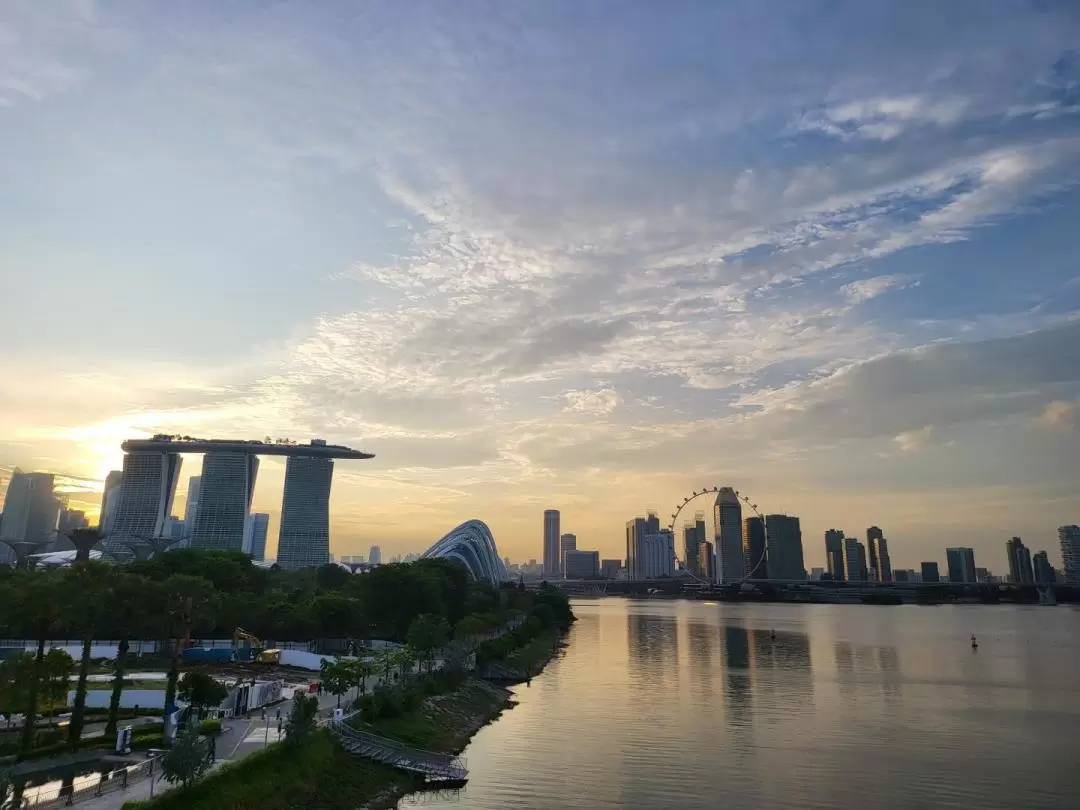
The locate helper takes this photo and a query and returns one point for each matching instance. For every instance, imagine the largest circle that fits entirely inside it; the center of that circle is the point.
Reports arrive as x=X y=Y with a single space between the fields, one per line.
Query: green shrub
x=210 y=727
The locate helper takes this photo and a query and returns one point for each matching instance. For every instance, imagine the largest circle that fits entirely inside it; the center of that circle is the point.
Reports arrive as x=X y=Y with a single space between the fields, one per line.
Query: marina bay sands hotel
x=152 y=469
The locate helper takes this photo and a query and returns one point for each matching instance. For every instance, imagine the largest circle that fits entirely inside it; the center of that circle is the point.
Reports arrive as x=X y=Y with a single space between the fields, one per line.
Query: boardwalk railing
x=435 y=767
x=90 y=786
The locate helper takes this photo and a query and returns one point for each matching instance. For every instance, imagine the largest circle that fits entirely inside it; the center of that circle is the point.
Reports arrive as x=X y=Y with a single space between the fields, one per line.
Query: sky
x=586 y=256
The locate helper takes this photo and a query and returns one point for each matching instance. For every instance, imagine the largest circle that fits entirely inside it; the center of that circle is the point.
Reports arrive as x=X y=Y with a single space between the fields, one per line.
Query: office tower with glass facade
x=785 y=551
x=961 y=564
x=225 y=489
x=755 y=557
x=727 y=516
x=834 y=553
x=304 y=535
x=146 y=496
x=552 y=568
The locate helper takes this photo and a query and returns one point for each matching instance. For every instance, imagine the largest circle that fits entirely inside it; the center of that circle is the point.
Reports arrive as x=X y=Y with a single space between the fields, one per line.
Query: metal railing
x=92 y=786
x=435 y=766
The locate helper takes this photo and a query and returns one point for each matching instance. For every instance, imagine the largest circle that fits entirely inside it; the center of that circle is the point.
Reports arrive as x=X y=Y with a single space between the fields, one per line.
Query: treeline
x=196 y=593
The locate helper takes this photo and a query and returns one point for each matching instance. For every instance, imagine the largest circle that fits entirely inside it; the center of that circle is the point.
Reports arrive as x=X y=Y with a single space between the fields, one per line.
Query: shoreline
x=502 y=701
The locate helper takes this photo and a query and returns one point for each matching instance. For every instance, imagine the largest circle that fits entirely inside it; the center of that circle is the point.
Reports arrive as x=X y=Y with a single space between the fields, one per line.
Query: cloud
x=907 y=392
x=601 y=401
x=1060 y=415
x=856 y=292
x=914 y=440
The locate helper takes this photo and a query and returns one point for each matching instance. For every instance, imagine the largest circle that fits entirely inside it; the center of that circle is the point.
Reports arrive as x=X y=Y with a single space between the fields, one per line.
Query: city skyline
x=532 y=256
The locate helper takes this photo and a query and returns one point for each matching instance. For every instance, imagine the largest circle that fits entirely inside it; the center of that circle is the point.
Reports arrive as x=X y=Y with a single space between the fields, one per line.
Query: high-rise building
x=374 y=555
x=929 y=572
x=551 y=544
x=567 y=542
x=659 y=555
x=1043 y=571
x=961 y=564
x=636 y=532
x=146 y=496
x=784 y=543
x=1069 y=537
x=609 y=569
x=30 y=511
x=110 y=497
x=690 y=548
x=581 y=564
x=834 y=553
x=901 y=576
x=652 y=523
x=191 y=507
x=226 y=486
x=258 y=524
x=304 y=534
x=707 y=559
x=855 y=569
x=756 y=560
x=1021 y=571
x=176 y=529
x=878 y=551
x=727 y=513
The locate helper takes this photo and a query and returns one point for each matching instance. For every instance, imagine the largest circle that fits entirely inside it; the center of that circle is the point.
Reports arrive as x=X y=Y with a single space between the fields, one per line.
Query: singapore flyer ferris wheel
x=726 y=540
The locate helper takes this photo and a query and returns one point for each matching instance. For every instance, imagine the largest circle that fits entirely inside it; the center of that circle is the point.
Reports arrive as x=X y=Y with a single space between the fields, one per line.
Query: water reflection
x=847 y=707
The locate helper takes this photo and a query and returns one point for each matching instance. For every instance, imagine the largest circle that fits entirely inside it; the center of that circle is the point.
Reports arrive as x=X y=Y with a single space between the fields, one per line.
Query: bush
x=210 y=727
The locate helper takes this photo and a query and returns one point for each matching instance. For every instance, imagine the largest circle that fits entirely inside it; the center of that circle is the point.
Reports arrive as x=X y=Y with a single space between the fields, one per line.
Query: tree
x=336 y=678
x=202 y=691
x=127 y=613
x=188 y=758
x=358 y=672
x=332 y=577
x=86 y=597
x=57 y=674
x=187 y=599
x=5 y=789
x=301 y=721
x=39 y=605
x=426 y=634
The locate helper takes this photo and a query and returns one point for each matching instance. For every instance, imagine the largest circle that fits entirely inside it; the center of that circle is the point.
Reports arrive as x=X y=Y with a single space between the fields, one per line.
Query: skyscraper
x=1069 y=536
x=784 y=544
x=834 y=553
x=707 y=560
x=191 y=507
x=659 y=555
x=567 y=542
x=146 y=496
x=754 y=549
x=1021 y=571
x=878 y=550
x=636 y=532
x=854 y=561
x=30 y=511
x=226 y=486
x=304 y=536
x=257 y=525
x=690 y=548
x=727 y=513
x=961 y=564
x=1043 y=571
x=551 y=544
x=110 y=497
x=929 y=572
x=374 y=555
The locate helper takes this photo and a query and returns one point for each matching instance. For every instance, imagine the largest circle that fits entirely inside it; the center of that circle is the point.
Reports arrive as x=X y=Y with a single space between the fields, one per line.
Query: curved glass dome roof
x=472 y=545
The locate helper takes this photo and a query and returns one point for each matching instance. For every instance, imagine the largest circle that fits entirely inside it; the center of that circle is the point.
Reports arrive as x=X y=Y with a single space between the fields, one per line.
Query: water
x=679 y=704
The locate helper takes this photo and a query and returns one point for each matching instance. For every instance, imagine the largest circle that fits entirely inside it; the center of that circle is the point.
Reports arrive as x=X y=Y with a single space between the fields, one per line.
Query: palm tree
x=187 y=600
x=39 y=606
x=86 y=596
x=130 y=594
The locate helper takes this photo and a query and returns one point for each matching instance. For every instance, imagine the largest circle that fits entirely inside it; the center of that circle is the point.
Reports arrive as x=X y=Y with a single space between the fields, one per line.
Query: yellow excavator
x=253 y=650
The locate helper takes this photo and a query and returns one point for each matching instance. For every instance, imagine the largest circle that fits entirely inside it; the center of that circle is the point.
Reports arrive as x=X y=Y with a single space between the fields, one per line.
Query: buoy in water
x=772 y=635
x=974 y=643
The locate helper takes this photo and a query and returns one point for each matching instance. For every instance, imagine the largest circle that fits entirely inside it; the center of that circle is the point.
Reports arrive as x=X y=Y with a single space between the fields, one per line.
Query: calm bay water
x=680 y=704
